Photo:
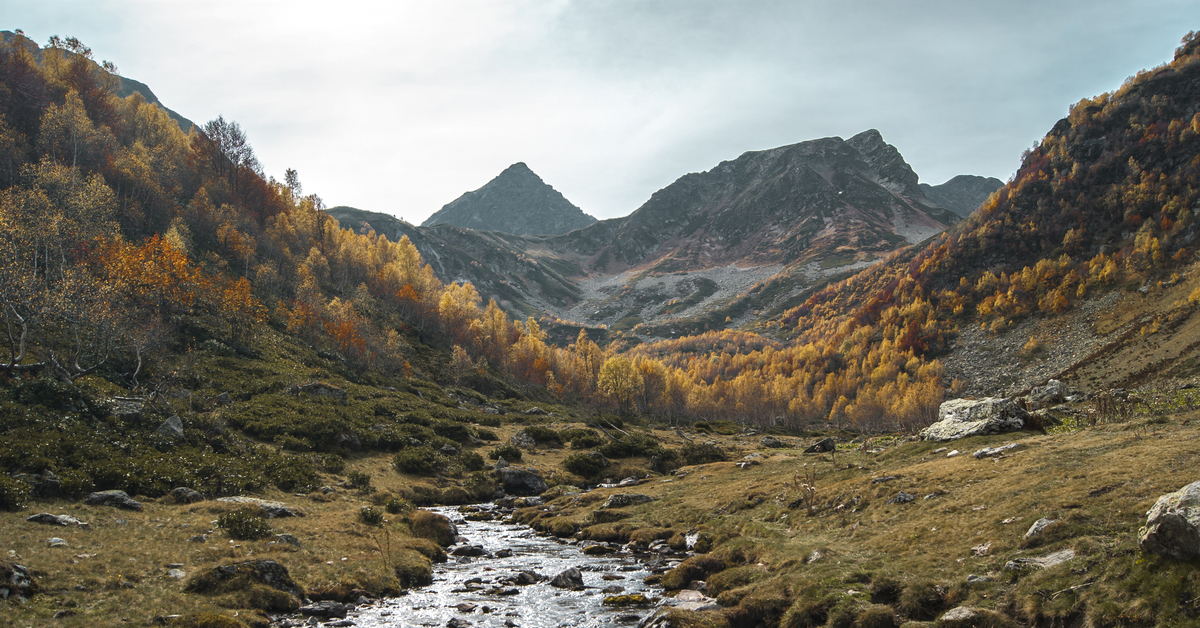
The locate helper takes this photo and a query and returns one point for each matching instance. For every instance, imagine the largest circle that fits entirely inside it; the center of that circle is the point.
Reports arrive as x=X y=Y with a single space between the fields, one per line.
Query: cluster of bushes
x=245 y=524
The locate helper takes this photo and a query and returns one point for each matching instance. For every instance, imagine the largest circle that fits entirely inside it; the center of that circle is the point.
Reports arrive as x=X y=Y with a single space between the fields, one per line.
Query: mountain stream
x=487 y=591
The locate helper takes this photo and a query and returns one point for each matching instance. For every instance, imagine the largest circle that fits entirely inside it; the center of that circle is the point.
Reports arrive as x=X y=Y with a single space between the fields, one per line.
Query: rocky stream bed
x=503 y=575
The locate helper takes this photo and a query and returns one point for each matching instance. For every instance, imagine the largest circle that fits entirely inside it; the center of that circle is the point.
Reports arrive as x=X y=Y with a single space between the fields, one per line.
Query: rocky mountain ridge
x=962 y=194
x=517 y=201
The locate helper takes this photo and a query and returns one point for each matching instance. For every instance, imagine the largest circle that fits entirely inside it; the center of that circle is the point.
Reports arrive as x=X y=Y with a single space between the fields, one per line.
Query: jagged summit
x=516 y=201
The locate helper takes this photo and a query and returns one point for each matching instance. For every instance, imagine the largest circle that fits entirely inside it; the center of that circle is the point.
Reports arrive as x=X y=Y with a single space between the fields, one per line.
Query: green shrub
x=333 y=463
x=13 y=493
x=370 y=516
x=922 y=601
x=245 y=524
x=457 y=432
x=692 y=453
x=693 y=568
x=292 y=473
x=486 y=434
x=544 y=436
x=419 y=460
x=511 y=453
x=471 y=461
x=455 y=496
x=631 y=445
x=398 y=505
x=582 y=438
x=585 y=465
x=412 y=568
x=360 y=481
x=293 y=443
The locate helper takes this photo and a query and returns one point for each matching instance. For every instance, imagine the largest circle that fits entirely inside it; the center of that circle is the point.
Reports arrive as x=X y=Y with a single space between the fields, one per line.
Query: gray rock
x=224 y=399
x=56 y=542
x=523 y=440
x=1054 y=392
x=772 y=442
x=272 y=509
x=960 y=418
x=290 y=539
x=1038 y=527
x=348 y=441
x=528 y=577
x=16 y=582
x=536 y=411
x=115 y=499
x=198 y=538
x=1040 y=562
x=171 y=429
x=569 y=579
x=57 y=520
x=992 y=452
x=620 y=500
x=822 y=446
x=45 y=484
x=321 y=389
x=901 y=498
x=1173 y=525
x=501 y=463
x=449 y=450
x=185 y=495
x=468 y=550
x=177 y=574
x=960 y=614
x=521 y=482
x=325 y=609
x=612 y=589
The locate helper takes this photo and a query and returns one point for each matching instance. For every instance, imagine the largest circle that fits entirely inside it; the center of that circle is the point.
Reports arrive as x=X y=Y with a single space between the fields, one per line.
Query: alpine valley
x=801 y=388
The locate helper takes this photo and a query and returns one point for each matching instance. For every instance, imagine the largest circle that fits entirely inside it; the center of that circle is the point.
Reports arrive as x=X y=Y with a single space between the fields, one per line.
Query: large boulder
x=115 y=499
x=960 y=418
x=516 y=481
x=1173 y=525
x=569 y=579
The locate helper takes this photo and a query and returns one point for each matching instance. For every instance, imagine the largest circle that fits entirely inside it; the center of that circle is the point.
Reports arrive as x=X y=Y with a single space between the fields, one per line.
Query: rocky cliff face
x=962 y=194
x=853 y=198
x=517 y=201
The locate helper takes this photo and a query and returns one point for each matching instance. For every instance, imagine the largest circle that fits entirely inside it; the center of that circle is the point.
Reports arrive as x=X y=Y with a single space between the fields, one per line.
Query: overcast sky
x=400 y=107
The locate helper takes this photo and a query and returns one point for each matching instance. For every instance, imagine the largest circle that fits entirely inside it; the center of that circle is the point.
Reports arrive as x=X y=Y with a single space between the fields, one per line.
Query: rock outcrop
x=960 y=418
x=1173 y=525
x=516 y=481
x=114 y=499
x=516 y=201
x=962 y=194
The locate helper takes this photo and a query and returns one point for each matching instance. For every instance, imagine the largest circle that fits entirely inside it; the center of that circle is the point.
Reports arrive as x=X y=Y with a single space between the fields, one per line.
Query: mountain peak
x=516 y=201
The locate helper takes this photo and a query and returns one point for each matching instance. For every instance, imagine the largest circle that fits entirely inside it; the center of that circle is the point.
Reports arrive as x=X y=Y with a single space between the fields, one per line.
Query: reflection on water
x=482 y=582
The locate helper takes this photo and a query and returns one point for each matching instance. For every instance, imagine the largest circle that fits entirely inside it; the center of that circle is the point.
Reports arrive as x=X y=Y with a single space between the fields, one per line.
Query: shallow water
x=532 y=606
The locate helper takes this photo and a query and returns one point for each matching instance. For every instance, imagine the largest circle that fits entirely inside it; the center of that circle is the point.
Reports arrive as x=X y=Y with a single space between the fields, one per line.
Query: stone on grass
x=902 y=498
x=57 y=520
x=177 y=574
x=772 y=442
x=1053 y=393
x=185 y=495
x=620 y=500
x=171 y=429
x=1040 y=562
x=238 y=575
x=16 y=583
x=290 y=539
x=1173 y=525
x=960 y=418
x=115 y=499
x=1038 y=527
x=822 y=446
x=992 y=452
x=56 y=542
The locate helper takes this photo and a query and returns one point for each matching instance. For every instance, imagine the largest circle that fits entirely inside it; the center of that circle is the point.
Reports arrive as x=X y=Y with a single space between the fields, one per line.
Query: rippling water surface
x=532 y=606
